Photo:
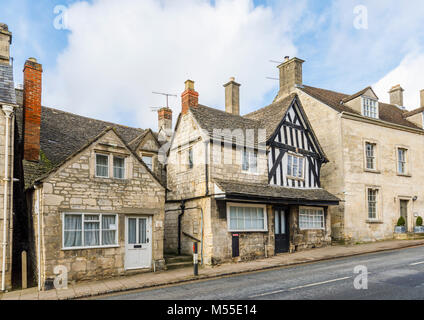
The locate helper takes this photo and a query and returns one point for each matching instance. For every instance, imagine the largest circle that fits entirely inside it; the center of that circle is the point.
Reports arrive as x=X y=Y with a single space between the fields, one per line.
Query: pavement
x=180 y=276
x=388 y=275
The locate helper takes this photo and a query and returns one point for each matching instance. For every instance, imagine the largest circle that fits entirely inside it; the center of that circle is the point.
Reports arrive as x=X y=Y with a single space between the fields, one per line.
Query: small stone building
x=92 y=192
x=244 y=186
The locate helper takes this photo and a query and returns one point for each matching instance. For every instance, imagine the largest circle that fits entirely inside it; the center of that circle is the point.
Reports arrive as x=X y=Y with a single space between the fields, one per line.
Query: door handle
x=147 y=240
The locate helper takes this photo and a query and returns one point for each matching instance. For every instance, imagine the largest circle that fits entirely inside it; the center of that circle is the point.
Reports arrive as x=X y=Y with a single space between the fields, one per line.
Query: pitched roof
x=275 y=192
x=270 y=116
x=358 y=94
x=413 y=112
x=62 y=134
x=7 y=86
x=210 y=120
x=387 y=112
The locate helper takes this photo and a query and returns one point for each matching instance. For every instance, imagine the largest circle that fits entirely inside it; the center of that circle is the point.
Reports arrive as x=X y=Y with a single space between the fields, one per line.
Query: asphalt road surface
x=395 y=274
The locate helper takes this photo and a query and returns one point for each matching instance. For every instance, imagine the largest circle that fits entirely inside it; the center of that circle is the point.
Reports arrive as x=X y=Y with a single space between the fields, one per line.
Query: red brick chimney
x=165 y=118
x=32 y=109
x=189 y=98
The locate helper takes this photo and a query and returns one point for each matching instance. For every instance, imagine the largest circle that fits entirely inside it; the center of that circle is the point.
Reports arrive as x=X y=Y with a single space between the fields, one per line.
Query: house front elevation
x=244 y=186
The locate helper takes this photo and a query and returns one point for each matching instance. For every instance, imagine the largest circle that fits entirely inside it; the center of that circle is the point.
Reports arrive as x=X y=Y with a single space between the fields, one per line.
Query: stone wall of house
x=185 y=183
x=73 y=188
x=9 y=224
x=343 y=140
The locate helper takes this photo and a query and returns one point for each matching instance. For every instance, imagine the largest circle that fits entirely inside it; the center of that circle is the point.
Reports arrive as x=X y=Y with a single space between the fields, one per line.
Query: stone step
x=178 y=265
x=181 y=258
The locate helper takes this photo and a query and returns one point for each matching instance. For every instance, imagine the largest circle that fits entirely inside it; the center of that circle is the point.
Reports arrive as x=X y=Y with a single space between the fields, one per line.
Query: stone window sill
x=374 y=221
x=372 y=171
x=111 y=180
x=404 y=175
x=90 y=248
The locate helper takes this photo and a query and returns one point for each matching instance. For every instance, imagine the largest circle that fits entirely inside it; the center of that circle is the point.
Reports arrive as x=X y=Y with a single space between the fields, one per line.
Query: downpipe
x=8 y=110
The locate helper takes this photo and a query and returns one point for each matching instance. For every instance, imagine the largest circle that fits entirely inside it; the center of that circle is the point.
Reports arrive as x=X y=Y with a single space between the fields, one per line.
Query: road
x=395 y=274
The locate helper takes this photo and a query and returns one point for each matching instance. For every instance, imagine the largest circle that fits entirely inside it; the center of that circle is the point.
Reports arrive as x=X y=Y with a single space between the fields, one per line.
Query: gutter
x=8 y=111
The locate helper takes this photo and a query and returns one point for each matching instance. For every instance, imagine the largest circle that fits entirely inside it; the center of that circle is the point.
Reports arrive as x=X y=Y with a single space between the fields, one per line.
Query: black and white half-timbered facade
x=295 y=158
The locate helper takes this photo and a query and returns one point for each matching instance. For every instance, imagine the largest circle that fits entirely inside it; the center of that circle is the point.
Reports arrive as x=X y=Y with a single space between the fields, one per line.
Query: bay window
x=246 y=218
x=88 y=230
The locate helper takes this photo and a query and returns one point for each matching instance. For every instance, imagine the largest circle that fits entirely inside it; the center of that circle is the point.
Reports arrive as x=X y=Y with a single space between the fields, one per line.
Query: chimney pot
x=396 y=95
x=232 y=97
x=290 y=75
x=189 y=98
x=32 y=109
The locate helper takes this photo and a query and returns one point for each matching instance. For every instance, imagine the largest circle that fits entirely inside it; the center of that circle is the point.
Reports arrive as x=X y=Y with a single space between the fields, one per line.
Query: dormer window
x=369 y=107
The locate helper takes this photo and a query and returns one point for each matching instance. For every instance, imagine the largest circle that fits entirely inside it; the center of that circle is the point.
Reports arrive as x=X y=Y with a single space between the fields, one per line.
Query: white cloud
x=121 y=51
x=409 y=74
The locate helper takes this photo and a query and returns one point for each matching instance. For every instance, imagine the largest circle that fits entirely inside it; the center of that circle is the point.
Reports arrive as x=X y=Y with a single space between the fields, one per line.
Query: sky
x=104 y=58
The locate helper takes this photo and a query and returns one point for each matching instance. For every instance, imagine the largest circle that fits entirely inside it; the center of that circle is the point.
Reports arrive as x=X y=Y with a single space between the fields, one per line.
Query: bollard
x=195 y=259
x=24 y=269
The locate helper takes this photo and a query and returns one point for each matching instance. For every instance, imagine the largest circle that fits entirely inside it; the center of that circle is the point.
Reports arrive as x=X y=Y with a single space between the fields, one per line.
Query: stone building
x=375 y=151
x=7 y=131
x=244 y=186
x=93 y=190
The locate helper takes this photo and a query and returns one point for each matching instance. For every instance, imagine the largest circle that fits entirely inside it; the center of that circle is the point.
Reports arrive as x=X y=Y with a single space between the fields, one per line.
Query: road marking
x=416 y=263
x=300 y=287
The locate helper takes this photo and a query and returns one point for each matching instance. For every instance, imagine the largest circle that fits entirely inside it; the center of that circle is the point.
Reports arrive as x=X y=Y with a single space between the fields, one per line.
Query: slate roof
x=62 y=134
x=387 y=112
x=7 y=86
x=275 y=192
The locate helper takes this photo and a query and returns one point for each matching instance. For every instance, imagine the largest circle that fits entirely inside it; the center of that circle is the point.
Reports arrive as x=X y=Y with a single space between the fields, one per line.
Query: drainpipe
x=180 y=216
x=8 y=110
x=37 y=212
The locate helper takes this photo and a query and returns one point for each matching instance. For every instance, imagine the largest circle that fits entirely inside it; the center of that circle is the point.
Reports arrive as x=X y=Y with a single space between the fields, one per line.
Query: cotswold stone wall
x=73 y=188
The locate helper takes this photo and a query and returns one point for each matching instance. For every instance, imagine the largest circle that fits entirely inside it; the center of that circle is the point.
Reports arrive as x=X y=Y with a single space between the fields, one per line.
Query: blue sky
x=115 y=53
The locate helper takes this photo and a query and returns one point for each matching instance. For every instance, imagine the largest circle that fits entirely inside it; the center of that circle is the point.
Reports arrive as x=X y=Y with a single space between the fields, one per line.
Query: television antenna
x=167 y=95
x=275 y=61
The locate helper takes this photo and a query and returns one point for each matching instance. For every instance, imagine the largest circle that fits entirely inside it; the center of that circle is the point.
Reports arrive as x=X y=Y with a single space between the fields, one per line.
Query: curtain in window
x=102 y=165
x=132 y=229
x=118 y=167
x=142 y=231
x=247 y=218
x=73 y=231
x=91 y=231
x=108 y=230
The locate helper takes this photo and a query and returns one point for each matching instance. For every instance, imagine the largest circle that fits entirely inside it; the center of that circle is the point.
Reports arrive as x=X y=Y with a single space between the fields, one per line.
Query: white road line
x=416 y=263
x=299 y=287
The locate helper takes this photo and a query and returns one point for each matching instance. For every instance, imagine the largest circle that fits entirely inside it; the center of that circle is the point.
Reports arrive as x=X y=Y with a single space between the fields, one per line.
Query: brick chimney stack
x=189 y=98
x=32 y=109
x=5 y=42
x=232 y=97
x=290 y=75
x=396 y=95
x=165 y=119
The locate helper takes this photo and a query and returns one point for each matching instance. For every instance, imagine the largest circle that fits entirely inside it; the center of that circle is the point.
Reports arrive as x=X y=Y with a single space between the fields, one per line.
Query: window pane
x=246 y=218
x=277 y=223
x=300 y=174
x=132 y=233
x=73 y=231
x=118 y=168
x=190 y=158
x=91 y=231
x=253 y=161
x=108 y=230
x=311 y=219
x=142 y=231
x=102 y=165
x=289 y=165
x=148 y=160
x=245 y=161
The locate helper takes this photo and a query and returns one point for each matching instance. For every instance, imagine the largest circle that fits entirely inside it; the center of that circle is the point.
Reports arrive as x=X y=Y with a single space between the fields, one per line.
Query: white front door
x=138 y=242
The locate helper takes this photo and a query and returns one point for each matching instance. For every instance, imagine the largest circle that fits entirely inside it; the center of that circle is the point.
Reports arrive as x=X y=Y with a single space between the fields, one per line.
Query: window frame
x=367 y=109
x=315 y=209
x=406 y=162
x=124 y=166
x=251 y=154
x=82 y=215
x=245 y=205
x=377 y=203
x=374 y=157
x=148 y=155
x=108 y=165
x=295 y=155
x=190 y=158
